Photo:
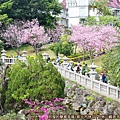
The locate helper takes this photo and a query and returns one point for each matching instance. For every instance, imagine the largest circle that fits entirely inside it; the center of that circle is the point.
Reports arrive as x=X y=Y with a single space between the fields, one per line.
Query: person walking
x=104 y=79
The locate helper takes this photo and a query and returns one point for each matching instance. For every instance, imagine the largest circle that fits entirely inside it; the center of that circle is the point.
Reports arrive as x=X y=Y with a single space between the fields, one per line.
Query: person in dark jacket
x=104 y=79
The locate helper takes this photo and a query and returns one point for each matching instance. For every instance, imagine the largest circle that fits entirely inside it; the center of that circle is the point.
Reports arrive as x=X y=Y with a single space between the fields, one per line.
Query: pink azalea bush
x=44 y=108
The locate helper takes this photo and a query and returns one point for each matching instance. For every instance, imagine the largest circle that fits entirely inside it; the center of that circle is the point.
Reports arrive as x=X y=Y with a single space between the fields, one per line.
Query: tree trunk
x=91 y=56
x=18 y=52
x=75 y=48
x=83 y=55
x=4 y=87
x=35 y=49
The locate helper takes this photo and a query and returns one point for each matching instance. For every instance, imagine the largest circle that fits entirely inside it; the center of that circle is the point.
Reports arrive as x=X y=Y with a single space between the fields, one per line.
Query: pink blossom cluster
x=24 y=32
x=13 y=35
x=42 y=109
x=33 y=33
x=94 y=38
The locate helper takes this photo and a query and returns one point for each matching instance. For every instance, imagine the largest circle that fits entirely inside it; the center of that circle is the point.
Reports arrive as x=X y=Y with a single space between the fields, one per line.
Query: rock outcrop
x=87 y=102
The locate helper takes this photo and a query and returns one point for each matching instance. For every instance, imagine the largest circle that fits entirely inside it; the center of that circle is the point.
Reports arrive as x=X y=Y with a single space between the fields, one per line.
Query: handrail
x=94 y=85
x=10 y=61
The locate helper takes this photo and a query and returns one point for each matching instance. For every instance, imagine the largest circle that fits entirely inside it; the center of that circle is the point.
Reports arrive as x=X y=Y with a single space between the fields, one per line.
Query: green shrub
x=74 y=55
x=62 y=48
x=35 y=80
x=99 y=70
x=78 y=57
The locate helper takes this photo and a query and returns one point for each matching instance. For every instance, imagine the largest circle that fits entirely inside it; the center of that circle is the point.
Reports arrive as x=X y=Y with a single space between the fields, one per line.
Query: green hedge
x=78 y=57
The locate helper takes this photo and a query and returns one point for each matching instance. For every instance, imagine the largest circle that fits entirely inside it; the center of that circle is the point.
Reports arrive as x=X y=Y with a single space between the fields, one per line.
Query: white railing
x=8 y=60
x=11 y=61
x=94 y=85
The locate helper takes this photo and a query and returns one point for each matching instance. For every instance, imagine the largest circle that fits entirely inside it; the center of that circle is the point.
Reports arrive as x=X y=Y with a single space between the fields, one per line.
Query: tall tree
x=33 y=80
x=4 y=8
x=44 y=10
x=34 y=34
x=111 y=63
x=13 y=36
x=93 y=39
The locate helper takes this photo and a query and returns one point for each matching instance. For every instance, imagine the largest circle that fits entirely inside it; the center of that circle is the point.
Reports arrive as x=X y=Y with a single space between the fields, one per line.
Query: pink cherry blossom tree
x=93 y=39
x=34 y=34
x=13 y=35
x=25 y=32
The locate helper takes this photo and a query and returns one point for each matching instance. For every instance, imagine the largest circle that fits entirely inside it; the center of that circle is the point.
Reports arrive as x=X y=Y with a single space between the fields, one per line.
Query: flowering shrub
x=44 y=108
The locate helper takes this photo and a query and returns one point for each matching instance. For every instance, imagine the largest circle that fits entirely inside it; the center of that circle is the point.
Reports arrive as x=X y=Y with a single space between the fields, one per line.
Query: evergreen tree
x=35 y=80
x=44 y=10
x=111 y=64
x=4 y=8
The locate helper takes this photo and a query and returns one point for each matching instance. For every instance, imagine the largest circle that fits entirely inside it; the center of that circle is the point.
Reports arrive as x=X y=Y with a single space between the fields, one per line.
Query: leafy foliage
x=35 y=80
x=103 y=20
x=101 y=7
x=63 y=46
x=4 y=7
x=44 y=10
x=111 y=63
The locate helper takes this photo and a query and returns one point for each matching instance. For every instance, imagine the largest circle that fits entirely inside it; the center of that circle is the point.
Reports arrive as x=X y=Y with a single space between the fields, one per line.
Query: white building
x=75 y=10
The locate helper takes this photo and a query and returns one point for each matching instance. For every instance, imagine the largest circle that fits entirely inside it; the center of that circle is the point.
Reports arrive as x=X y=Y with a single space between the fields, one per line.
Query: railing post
x=92 y=73
x=24 y=56
x=3 y=55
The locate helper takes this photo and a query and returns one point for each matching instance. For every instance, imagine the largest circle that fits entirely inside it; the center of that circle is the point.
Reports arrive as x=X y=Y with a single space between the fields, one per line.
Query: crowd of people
x=82 y=69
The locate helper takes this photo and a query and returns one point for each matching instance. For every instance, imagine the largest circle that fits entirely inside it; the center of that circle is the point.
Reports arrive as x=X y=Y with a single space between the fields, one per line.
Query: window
x=83 y=11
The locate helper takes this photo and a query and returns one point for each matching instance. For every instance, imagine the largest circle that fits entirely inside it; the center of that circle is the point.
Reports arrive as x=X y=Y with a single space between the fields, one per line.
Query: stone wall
x=85 y=101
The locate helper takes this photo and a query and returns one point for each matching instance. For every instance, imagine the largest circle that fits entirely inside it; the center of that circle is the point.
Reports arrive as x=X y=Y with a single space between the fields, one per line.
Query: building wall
x=77 y=9
x=74 y=10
